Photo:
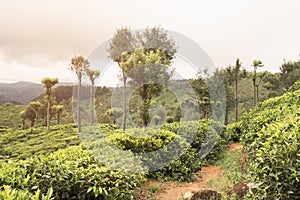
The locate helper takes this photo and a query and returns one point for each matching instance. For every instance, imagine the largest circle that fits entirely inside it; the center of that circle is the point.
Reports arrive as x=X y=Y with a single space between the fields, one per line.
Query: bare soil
x=174 y=190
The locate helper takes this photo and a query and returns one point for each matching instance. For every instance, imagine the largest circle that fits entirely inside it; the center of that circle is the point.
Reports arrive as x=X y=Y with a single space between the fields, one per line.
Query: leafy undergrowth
x=270 y=134
x=71 y=173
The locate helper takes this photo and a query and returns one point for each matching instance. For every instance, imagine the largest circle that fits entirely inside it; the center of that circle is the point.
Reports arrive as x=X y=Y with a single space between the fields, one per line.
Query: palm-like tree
x=78 y=65
x=48 y=84
x=93 y=74
x=256 y=64
x=58 y=109
x=36 y=106
x=123 y=42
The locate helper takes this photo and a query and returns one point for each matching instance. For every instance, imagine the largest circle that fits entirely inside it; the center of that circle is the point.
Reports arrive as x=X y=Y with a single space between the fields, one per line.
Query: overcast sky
x=39 y=37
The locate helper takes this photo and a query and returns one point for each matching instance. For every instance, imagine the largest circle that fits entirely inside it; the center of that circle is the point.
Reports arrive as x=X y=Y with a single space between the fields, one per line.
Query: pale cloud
x=38 y=38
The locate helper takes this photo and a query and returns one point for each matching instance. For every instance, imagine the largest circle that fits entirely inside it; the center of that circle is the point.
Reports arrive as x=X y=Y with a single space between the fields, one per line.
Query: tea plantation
x=40 y=165
x=271 y=137
x=60 y=164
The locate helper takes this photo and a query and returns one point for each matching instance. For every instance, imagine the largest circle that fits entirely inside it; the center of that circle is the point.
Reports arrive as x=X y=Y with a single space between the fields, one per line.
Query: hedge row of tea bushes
x=10 y=115
x=180 y=146
x=271 y=135
x=71 y=173
x=9 y=193
x=21 y=144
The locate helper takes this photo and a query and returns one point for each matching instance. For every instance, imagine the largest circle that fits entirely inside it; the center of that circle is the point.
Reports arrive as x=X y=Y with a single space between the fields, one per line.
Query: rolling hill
x=21 y=92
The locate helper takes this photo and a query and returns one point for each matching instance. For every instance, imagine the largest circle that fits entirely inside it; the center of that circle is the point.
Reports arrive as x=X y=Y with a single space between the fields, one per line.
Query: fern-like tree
x=256 y=64
x=122 y=42
x=79 y=64
x=36 y=106
x=58 y=110
x=48 y=84
x=93 y=74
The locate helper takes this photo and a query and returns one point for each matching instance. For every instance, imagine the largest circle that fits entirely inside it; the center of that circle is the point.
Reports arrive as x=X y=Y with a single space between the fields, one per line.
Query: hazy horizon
x=38 y=38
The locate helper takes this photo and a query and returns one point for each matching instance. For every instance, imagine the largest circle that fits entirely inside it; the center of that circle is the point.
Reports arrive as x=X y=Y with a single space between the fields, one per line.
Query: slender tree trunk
x=124 y=101
x=236 y=99
x=144 y=105
x=78 y=106
x=254 y=87
x=254 y=93
x=226 y=113
x=58 y=118
x=23 y=123
x=37 y=119
x=92 y=103
x=257 y=86
x=48 y=114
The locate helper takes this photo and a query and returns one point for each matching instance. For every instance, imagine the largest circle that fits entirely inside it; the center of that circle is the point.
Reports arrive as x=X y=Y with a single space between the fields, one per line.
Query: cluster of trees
x=47 y=107
x=44 y=107
x=237 y=82
x=145 y=60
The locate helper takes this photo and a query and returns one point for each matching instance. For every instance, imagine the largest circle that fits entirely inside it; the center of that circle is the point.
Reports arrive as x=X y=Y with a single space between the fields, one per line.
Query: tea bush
x=72 y=173
x=21 y=144
x=271 y=136
x=233 y=132
x=179 y=146
x=12 y=194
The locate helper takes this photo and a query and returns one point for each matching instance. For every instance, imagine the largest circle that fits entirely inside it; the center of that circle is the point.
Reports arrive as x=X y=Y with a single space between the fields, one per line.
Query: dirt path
x=234 y=146
x=174 y=190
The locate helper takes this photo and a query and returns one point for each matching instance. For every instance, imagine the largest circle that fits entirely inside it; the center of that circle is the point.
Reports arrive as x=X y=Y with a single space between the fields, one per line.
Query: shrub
x=272 y=140
x=233 y=132
x=173 y=152
x=72 y=173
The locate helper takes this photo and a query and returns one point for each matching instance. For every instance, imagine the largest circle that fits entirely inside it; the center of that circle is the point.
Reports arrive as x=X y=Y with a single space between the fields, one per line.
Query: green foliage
x=179 y=147
x=25 y=143
x=8 y=193
x=234 y=171
x=10 y=115
x=233 y=132
x=20 y=144
x=289 y=73
x=72 y=173
x=271 y=136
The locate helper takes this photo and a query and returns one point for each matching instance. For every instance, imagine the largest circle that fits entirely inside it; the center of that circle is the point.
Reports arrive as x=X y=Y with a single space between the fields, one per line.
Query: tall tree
x=289 y=73
x=123 y=41
x=260 y=76
x=36 y=106
x=93 y=74
x=256 y=64
x=48 y=84
x=79 y=64
x=157 y=38
x=30 y=114
x=58 y=109
x=237 y=71
x=228 y=76
x=149 y=72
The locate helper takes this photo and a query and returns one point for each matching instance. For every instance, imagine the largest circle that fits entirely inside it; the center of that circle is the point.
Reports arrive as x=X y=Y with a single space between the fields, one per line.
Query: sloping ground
x=175 y=190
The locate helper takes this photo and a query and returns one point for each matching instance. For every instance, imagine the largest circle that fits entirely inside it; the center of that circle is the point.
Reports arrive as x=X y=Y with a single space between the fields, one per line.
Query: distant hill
x=21 y=92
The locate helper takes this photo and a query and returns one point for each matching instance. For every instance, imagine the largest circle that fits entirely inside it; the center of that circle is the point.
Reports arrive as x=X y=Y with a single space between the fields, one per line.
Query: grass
x=234 y=171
